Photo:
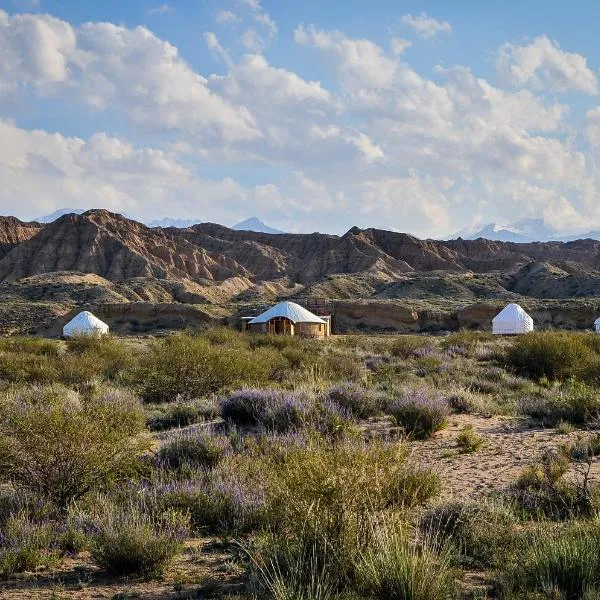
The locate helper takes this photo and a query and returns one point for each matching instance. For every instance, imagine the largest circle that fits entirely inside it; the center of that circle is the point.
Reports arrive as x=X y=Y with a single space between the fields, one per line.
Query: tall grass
x=396 y=566
x=558 y=562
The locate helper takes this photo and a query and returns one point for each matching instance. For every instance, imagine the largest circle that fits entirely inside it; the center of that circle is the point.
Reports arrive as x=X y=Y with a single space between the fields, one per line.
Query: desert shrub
x=222 y=501
x=186 y=367
x=414 y=486
x=64 y=447
x=26 y=368
x=463 y=402
x=331 y=489
x=465 y=342
x=421 y=413
x=26 y=545
x=405 y=346
x=483 y=534
x=128 y=540
x=360 y=402
x=273 y=409
x=562 y=563
x=29 y=345
x=468 y=441
x=552 y=354
x=573 y=402
x=543 y=489
x=105 y=354
x=394 y=566
x=182 y=414
x=198 y=449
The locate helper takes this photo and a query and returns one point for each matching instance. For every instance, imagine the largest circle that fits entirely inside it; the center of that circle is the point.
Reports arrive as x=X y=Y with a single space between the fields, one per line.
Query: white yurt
x=512 y=320
x=597 y=324
x=85 y=323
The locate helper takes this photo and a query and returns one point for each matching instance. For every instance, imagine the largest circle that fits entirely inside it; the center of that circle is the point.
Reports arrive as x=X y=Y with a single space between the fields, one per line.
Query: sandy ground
x=511 y=444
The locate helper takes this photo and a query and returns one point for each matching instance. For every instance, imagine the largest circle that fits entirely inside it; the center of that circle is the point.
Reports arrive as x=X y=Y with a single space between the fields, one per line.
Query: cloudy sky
x=427 y=117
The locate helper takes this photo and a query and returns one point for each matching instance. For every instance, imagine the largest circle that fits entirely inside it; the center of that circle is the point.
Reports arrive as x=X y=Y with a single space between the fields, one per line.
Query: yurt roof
x=512 y=312
x=290 y=310
x=86 y=320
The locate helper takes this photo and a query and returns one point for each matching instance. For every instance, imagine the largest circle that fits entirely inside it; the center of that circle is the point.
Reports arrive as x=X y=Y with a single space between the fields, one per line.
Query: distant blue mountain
x=255 y=224
x=57 y=214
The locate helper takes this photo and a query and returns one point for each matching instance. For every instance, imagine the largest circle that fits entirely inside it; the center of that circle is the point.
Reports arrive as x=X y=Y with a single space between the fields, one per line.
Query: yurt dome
x=512 y=320
x=288 y=310
x=289 y=318
x=85 y=323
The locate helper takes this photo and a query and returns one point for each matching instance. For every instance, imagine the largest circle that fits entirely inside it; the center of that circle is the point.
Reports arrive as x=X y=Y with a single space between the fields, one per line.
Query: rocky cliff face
x=115 y=248
x=13 y=232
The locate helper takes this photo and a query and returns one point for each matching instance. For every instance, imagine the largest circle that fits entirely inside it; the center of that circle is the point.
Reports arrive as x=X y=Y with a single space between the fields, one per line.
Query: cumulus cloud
x=113 y=67
x=383 y=145
x=543 y=65
x=41 y=172
x=425 y=26
x=358 y=62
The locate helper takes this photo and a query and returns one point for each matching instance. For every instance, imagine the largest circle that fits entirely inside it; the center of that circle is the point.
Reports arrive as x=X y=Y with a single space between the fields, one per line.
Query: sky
x=426 y=117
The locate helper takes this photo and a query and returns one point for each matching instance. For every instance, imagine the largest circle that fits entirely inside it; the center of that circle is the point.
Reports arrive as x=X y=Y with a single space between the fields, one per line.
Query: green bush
x=63 y=446
x=130 y=541
x=544 y=490
x=187 y=367
x=405 y=346
x=468 y=441
x=553 y=354
x=573 y=402
x=286 y=568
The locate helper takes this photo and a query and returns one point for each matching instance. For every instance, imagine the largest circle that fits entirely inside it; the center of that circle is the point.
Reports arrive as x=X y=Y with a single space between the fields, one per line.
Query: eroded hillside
x=101 y=258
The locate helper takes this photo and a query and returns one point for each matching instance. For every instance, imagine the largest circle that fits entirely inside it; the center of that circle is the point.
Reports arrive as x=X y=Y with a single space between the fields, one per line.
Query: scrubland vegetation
x=219 y=465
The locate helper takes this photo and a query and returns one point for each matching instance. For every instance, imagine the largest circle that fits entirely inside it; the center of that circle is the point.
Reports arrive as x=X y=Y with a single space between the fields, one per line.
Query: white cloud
x=253 y=41
x=592 y=128
x=114 y=68
x=399 y=45
x=542 y=65
x=160 y=10
x=212 y=41
x=253 y=4
x=358 y=62
x=41 y=172
x=224 y=17
x=383 y=146
x=425 y=26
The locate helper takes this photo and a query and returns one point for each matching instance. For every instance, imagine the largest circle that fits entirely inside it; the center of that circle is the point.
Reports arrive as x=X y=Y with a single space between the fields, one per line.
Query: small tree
x=64 y=446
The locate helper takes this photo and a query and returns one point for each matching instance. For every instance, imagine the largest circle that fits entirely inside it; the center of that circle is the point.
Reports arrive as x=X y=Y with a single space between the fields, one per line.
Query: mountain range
x=523 y=231
x=374 y=278
x=251 y=224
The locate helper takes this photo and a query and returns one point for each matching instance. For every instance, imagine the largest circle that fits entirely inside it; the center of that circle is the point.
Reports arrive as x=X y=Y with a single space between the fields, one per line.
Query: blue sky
x=427 y=117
